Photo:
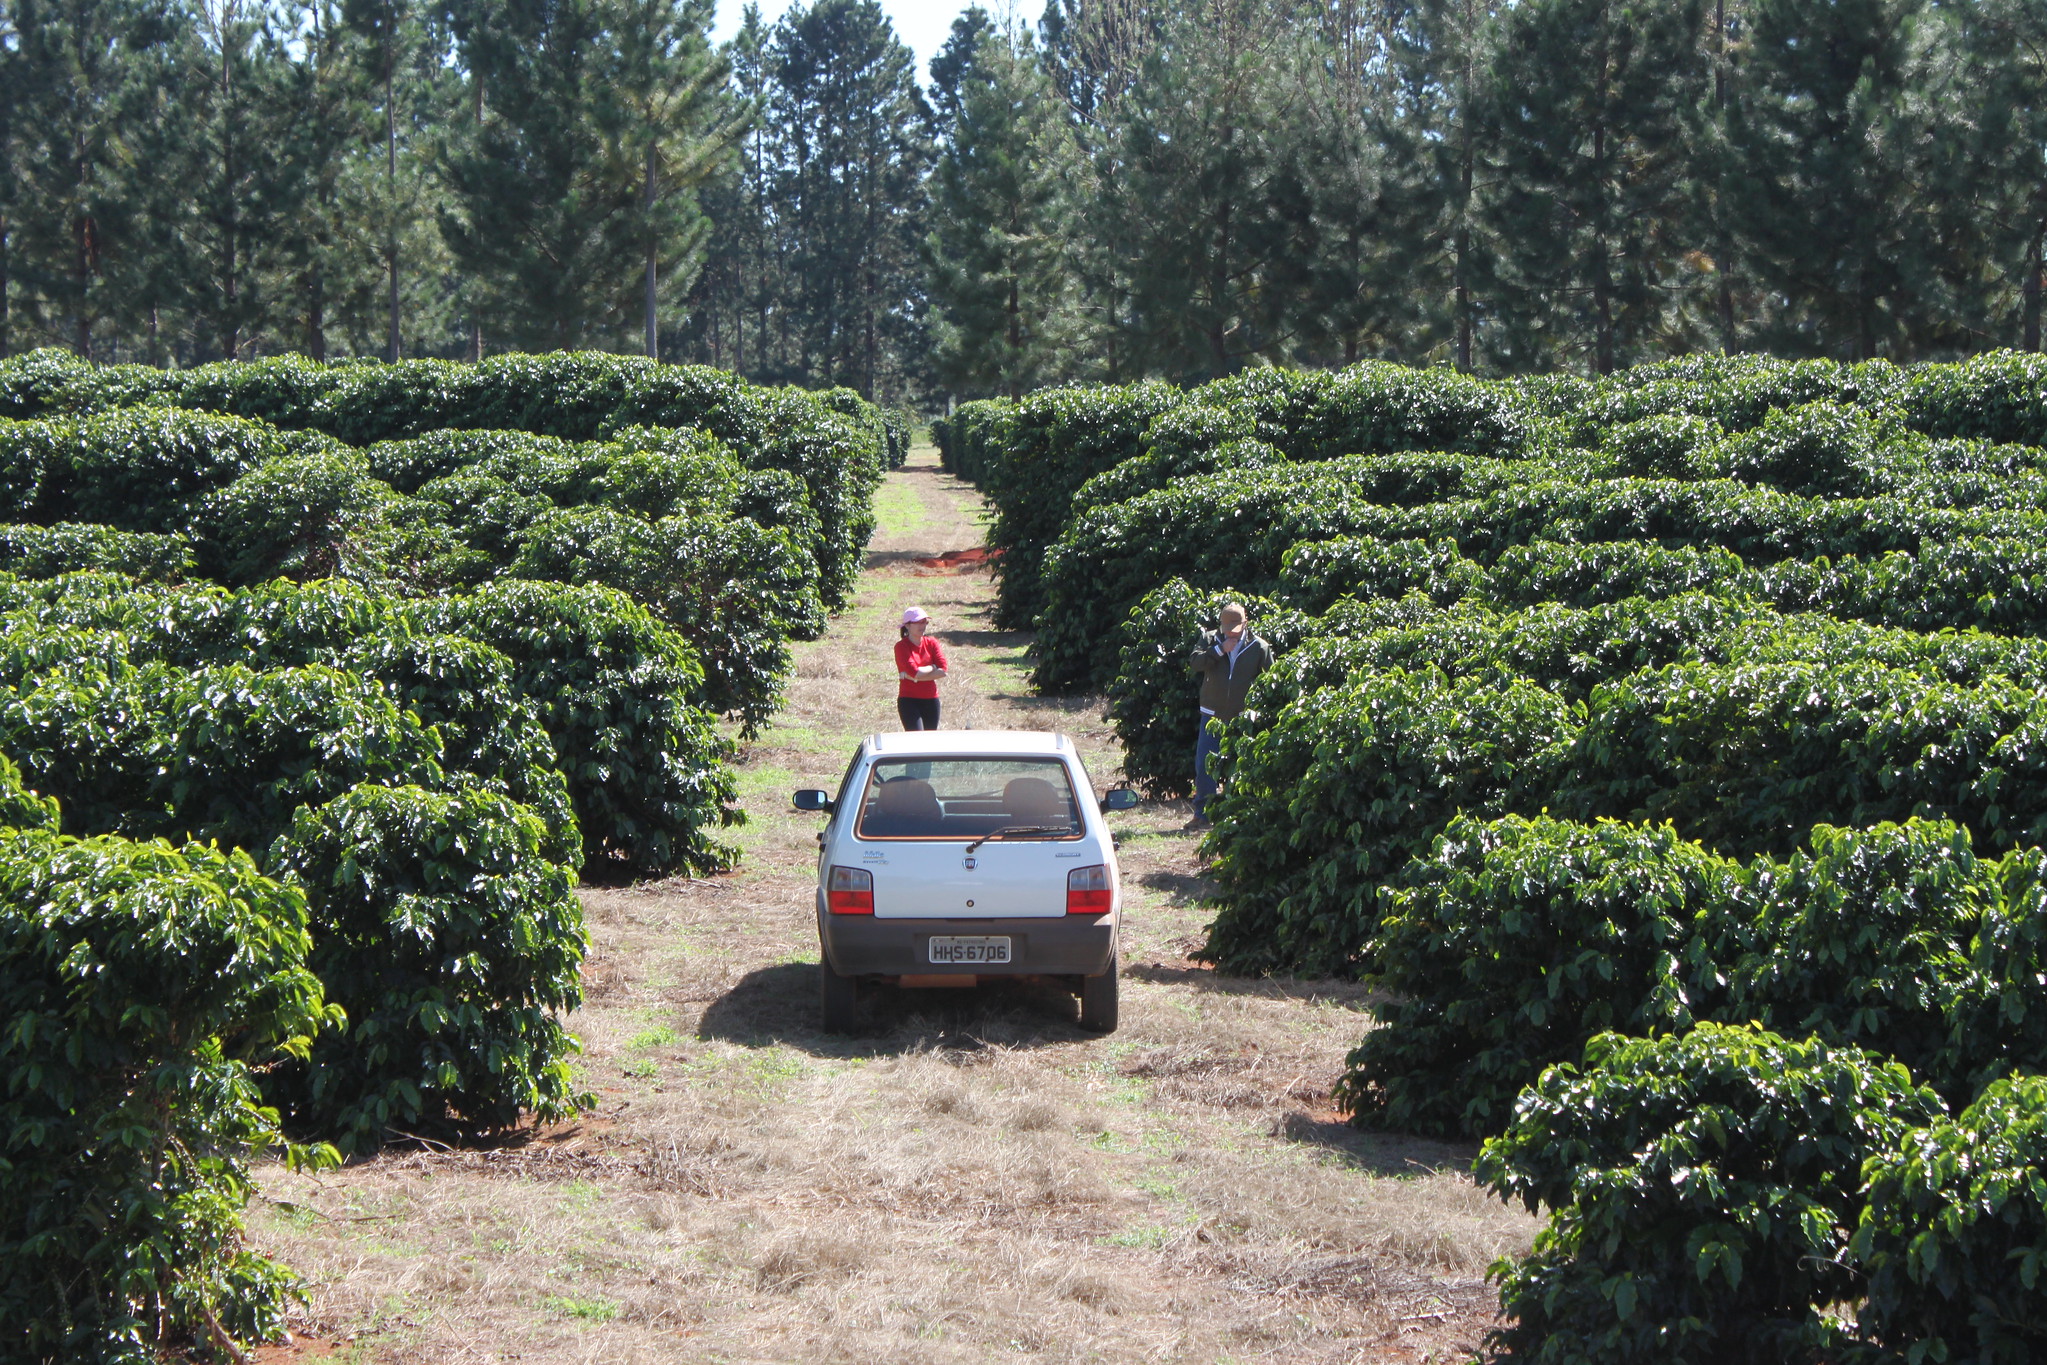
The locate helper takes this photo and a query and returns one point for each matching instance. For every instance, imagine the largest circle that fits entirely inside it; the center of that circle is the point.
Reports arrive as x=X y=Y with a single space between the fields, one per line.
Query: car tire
x=1098 y=1001
x=839 y=996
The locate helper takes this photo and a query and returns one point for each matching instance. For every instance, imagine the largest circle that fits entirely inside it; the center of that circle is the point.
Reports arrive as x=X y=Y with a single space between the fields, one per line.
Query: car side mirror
x=1122 y=798
x=810 y=798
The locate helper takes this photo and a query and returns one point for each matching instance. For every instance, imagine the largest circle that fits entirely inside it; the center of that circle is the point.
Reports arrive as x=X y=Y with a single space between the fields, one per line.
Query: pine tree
x=1359 y=269
x=324 y=109
x=1826 y=127
x=11 y=83
x=720 y=326
x=678 y=126
x=953 y=65
x=390 y=31
x=1192 y=158
x=1990 y=190
x=1002 y=278
x=73 y=63
x=544 y=207
x=240 y=121
x=1591 y=102
x=1431 y=123
x=849 y=192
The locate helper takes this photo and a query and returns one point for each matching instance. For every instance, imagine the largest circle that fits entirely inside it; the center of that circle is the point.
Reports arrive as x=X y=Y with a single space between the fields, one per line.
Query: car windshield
x=968 y=798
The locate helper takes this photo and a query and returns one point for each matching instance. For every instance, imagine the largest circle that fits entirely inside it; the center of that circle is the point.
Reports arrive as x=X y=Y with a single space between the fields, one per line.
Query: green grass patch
x=588 y=1310
x=662 y=1036
x=897 y=508
x=1147 y=1238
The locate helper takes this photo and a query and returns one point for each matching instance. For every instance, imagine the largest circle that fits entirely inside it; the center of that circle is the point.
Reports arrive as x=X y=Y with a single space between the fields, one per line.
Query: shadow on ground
x=1181 y=888
x=1318 y=990
x=1385 y=1154
x=779 y=1004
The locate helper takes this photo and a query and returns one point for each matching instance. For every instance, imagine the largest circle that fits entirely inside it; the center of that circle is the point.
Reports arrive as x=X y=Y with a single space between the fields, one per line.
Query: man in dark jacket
x=1229 y=660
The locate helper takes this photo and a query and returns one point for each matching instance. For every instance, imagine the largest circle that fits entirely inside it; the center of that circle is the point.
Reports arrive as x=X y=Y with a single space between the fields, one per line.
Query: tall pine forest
x=1119 y=190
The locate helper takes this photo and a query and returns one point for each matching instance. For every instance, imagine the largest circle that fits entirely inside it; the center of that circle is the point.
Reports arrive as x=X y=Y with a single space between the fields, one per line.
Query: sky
x=921 y=24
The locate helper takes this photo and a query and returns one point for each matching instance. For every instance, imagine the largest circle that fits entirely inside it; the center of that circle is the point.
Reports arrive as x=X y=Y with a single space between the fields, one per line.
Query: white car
x=957 y=856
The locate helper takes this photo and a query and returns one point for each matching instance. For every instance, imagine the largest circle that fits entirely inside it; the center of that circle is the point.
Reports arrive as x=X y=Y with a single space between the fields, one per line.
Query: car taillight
x=1087 y=891
x=850 y=891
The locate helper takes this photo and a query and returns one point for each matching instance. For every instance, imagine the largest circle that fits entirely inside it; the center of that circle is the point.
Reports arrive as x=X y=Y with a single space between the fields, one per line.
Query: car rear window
x=966 y=798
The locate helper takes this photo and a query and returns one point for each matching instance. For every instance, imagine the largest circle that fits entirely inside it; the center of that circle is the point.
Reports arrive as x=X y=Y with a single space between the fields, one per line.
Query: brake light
x=850 y=891
x=1087 y=891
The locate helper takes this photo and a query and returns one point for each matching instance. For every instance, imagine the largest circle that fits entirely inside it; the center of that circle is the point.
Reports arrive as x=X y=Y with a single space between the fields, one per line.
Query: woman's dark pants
x=918 y=713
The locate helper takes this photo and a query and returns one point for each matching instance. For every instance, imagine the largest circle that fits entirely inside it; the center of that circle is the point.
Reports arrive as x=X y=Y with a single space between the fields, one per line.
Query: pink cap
x=914 y=614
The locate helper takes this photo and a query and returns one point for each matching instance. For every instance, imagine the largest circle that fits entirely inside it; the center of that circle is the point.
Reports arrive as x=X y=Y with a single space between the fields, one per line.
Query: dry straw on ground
x=973 y=1178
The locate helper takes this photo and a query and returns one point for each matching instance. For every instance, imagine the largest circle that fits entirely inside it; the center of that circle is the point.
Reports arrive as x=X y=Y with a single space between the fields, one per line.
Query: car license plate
x=957 y=952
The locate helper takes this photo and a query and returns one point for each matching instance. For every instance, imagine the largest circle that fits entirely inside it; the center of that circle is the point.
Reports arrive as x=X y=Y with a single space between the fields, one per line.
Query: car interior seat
x=906 y=807
x=1034 y=801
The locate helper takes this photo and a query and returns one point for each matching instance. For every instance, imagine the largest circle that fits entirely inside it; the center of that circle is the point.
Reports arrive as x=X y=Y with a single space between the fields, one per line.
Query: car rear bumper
x=1068 y=945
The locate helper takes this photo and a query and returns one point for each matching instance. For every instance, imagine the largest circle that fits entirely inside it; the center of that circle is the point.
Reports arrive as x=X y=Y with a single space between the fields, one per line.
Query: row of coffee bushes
x=1813 y=427
x=1564 y=648
x=416 y=795
x=834 y=443
x=370 y=788
x=1710 y=707
x=1513 y=942
x=1822 y=1137
x=1238 y=531
x=576 y=692
x=726 y=555
x=1033 y=457
x=1731 y=1193
x=1336 y=787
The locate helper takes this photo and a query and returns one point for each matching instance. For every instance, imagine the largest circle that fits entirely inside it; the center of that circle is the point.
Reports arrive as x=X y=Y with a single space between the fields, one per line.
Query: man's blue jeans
x=1206 y=745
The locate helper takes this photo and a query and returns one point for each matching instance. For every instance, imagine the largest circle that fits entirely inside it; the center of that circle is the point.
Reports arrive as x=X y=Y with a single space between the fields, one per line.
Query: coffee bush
x=1052 y=443
x=47 y=551
x=1863 y=938
x=612 y=687
x=736 y=591
x=1702 y=1188
x=1514 y=942
x=139 y=983
x=453 y=942
x=1327 y=798
x=1954 y=1238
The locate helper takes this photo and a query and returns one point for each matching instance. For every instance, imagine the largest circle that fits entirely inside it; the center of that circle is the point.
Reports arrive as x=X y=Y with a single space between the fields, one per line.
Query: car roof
x=969 y=742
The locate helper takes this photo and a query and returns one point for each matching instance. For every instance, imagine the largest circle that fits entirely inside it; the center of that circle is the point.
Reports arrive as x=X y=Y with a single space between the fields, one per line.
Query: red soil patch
x=961 y=561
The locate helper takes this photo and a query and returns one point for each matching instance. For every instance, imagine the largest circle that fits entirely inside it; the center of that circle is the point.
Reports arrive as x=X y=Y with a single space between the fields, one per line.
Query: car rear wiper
x=1007 y=830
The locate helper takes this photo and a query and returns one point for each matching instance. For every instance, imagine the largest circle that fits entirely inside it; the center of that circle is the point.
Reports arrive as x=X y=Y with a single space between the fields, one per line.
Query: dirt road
x=973 y=1178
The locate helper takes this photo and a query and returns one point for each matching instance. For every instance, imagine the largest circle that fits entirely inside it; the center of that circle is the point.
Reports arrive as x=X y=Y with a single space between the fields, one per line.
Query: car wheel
x=1098 y=1001
x=839 y=995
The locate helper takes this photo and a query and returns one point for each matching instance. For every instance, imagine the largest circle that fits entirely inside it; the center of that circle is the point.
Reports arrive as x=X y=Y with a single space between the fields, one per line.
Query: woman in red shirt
x=920 y=663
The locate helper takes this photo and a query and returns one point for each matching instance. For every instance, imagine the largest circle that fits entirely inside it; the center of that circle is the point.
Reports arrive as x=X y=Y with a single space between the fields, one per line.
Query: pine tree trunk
x=316 y=318
x=1015 y=334
x=1218 y=336
x=653 y=266
x=231 y=331
x=1724 y=255
x=475 y=342
x=81 y=323
x=392 y=347
x=2030 y=290
x=1463 y=238
x=1602 y=265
